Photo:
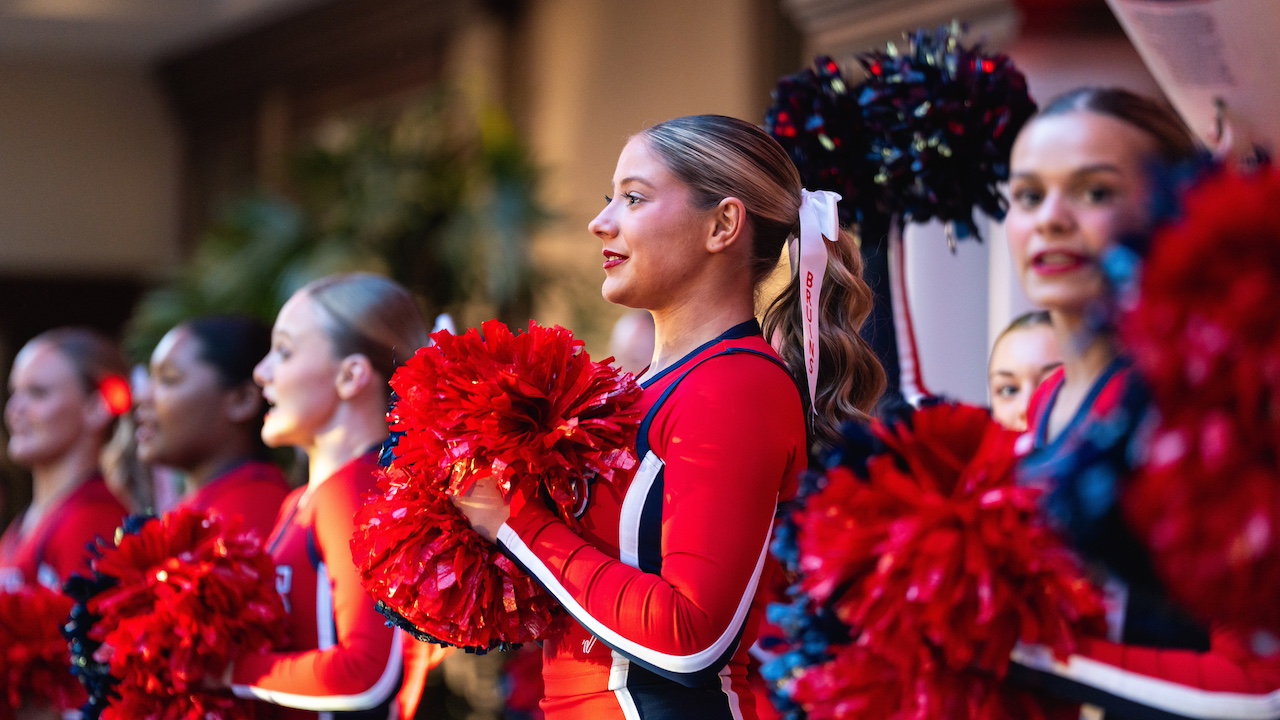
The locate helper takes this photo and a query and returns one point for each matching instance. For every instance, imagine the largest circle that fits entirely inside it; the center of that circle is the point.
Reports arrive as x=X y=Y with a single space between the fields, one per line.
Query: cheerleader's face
x=48 y=412
x=1078 y=182
x=181 y=410
x=650 y=232
x=1020 y=361
x=299 y=376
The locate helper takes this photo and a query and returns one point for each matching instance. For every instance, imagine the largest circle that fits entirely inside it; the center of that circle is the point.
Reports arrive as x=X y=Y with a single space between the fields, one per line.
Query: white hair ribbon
x=819 y=219
x=444 y=322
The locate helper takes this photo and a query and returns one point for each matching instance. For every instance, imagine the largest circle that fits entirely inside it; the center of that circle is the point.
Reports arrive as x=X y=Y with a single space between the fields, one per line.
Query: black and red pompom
x=816 y=118
x=174 y=602
x=1204 y=335
x=941 y=118
x=531 y=410
x=926 y=135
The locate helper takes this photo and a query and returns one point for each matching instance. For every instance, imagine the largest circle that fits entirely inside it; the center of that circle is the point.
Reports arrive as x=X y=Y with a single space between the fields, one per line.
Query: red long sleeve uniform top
x=58 y=545
x=1229 y=682
x=342 y=660
x=251 y=491
x=662 y=579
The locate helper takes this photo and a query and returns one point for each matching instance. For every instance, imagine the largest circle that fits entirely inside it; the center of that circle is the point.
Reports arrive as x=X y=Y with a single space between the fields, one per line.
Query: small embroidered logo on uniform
x=284 y=585
x=588 y=645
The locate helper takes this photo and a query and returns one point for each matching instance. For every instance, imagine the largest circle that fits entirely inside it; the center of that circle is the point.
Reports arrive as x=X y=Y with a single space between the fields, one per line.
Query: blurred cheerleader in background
x=200 y=412
x=1080 y=183
x=335 y=345
x=67 y=393
x=67 y=389
x=1024 y=354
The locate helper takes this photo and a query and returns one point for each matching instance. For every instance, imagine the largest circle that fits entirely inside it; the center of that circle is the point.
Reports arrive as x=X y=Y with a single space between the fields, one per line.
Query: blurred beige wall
x=89 y=163
x=599 y=72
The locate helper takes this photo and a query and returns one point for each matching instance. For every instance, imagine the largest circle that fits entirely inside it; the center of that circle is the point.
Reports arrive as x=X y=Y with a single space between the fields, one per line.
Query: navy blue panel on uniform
x=649 y=542
x=657 y=698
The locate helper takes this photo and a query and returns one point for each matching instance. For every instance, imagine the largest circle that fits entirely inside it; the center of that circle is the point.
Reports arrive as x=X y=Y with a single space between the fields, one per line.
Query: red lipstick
x=613 y=259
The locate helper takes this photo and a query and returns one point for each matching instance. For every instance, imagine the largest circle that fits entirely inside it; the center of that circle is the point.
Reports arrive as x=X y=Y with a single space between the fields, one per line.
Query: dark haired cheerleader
x=200 y=412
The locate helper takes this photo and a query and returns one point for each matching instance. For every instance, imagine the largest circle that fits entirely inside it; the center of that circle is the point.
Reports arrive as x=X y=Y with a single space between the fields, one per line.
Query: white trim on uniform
x=633 y=508
x=326 y=633
x=1152 y=692
x=385 y=686
x=726 y=684
x=690 y=663
x=618 y=684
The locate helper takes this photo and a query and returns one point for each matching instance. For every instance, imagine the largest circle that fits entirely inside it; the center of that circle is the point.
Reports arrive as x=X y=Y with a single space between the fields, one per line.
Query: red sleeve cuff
x=529 y=515
x=248 y=669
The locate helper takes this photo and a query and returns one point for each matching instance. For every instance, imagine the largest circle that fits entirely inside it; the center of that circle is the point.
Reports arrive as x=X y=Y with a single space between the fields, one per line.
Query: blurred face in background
x=299 y=376
x=1021 y=359
x=631 y=342
x=49 y=411
x=1078 y=182
x=183 y=412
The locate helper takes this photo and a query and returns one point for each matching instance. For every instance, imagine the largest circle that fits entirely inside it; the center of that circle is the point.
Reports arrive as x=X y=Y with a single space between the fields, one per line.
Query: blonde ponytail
x=850 y=378
x=719 y=157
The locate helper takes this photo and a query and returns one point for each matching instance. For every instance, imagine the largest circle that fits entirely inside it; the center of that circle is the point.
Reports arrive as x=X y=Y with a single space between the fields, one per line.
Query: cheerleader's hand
x=37 y=712
x=222 y=682
x=484 y=508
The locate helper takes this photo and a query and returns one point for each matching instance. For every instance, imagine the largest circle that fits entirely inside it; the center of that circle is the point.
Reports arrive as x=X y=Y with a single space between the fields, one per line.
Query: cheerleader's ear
x=355 y=375
x=726 y=225
x=243 y=402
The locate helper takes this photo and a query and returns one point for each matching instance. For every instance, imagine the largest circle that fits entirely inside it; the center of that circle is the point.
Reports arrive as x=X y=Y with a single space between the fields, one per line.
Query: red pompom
x=857 y=683
x=531 y=405
x=35 y=664
x=1204 y=335
x=522 y=685
x=420 y=558
x=191 y=596
x=533 y=411
x=940 y=565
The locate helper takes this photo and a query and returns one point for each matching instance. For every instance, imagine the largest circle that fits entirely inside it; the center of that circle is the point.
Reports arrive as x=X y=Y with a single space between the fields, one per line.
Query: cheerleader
x=1023 y=355
x=66 y=391
x=334 y=347
x=200 y=412
x=1079 y=181
x=662 y=581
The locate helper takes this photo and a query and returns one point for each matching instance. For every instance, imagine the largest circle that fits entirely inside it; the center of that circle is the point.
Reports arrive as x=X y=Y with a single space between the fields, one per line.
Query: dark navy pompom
x=815 y=117
x=941 y=118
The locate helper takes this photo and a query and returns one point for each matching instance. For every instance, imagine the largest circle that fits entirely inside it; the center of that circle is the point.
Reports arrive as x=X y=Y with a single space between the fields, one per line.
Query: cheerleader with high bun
x=334 y=347
x=67 y=389
x=661 y=583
